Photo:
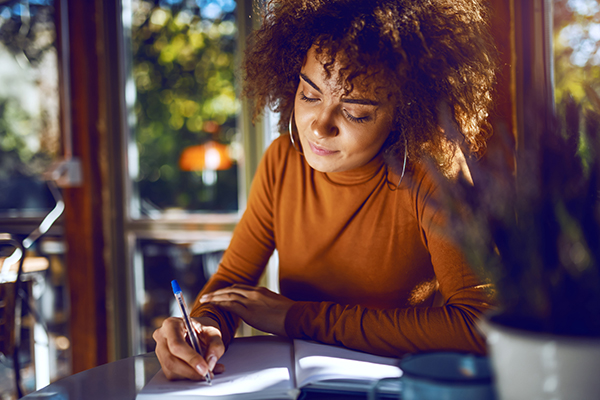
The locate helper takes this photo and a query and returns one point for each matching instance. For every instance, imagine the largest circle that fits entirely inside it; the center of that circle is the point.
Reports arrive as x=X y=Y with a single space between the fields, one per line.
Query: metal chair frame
x=14 y=295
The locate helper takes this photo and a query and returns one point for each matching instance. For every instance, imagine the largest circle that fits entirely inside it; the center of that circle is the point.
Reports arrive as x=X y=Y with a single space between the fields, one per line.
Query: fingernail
x=202 y=373
x=203 y=298
x=212 y=361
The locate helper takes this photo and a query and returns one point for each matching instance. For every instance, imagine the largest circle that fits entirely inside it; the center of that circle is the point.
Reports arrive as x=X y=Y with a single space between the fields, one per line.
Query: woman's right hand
x=178 y=358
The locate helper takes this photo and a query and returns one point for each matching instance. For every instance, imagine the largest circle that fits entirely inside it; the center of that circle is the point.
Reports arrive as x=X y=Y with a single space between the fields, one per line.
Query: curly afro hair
x=436 y=55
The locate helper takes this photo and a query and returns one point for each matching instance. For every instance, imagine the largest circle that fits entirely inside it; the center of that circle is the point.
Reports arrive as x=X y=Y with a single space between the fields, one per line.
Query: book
x=271 y=367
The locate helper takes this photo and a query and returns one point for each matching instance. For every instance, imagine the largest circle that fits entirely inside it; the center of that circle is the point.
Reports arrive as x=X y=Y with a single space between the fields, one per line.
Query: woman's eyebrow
x=366 y=102
x=311 y=83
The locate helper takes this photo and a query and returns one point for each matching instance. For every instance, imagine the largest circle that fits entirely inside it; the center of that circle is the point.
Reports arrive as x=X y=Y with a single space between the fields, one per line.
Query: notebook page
x=317 y=362
x=255 y=368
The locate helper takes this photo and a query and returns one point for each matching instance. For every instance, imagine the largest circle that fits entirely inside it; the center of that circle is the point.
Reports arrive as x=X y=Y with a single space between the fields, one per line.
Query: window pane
x=186 y=106
x=191 y=263
x=29 y=104
x=576 y=48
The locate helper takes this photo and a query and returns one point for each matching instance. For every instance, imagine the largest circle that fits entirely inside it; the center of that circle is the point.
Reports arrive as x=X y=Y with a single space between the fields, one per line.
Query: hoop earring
x=403 y=165
x=296 y=146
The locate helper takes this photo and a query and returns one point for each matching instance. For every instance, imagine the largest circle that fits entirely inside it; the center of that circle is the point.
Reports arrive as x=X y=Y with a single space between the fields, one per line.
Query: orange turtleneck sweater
x=362 y=259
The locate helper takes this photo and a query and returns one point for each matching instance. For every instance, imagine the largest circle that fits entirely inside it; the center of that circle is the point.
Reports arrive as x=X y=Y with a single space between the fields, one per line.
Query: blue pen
x=188 y=323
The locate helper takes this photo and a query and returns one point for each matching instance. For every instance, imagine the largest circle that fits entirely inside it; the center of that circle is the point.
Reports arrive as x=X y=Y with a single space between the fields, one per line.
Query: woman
x=362 y=88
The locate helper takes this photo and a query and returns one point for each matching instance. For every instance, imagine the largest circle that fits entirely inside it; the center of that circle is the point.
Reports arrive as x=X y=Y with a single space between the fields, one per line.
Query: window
x=576 y=42
x=30 y=143
x=29 y=106
x=187 y=142
x=187 y=160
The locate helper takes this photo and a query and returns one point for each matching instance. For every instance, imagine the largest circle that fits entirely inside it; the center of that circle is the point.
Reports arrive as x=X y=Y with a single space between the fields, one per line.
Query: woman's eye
x=307 y=99
x=358 y=120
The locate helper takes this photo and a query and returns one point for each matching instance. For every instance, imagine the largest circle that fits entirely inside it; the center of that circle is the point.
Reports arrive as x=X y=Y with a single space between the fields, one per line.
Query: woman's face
x=338 y=133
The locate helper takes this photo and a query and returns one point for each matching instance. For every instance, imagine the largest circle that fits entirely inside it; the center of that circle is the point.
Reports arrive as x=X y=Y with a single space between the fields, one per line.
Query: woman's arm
x=395 y=332
x=388 y=332
x=258 y=306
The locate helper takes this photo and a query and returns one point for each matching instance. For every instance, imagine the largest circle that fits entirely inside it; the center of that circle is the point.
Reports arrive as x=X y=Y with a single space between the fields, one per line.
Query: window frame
x=189 y=227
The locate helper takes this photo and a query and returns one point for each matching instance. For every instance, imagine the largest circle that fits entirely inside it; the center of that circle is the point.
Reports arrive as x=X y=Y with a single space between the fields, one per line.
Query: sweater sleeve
x=249 y=251
x=395 y=332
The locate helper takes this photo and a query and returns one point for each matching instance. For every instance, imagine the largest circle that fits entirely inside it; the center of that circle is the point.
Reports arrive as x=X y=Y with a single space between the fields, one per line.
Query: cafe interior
x=127 y=152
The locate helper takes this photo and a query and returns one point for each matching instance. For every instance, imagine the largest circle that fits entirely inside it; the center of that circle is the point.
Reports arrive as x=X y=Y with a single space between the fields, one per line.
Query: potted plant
x=534 y=232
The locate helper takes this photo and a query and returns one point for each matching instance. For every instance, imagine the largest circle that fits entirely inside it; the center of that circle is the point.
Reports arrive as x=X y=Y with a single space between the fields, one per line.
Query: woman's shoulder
x=279 y=159
x=280 y=146
x=426 y=170
x=279 y=152
x=429 y=184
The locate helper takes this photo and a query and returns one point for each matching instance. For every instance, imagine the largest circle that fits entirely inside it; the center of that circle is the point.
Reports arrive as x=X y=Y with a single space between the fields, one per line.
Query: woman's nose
x=324 y=125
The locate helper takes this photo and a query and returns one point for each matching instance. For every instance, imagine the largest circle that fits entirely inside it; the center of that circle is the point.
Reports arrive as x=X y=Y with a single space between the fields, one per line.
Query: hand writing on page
x=258 y=306
x=177 y=357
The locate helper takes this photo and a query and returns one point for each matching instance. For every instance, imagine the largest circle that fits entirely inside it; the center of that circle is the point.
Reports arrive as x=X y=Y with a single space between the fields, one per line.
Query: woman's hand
x=258 y=306
x=178 y=358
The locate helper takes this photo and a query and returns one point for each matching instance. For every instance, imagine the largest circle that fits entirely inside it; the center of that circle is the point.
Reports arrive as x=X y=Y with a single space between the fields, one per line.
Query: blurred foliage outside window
x=576 y=48
x=186 y=105
x=29 y=104
x=576 y=42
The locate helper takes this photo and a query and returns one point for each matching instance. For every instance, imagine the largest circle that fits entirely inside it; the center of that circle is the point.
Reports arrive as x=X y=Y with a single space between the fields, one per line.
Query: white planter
x=534 y=366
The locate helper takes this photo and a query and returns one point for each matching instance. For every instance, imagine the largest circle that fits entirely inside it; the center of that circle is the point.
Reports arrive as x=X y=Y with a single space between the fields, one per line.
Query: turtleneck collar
x=358 y=175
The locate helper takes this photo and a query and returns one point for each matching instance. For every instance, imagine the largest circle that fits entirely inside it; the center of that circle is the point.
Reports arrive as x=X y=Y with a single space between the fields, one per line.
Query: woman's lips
x=320 y=151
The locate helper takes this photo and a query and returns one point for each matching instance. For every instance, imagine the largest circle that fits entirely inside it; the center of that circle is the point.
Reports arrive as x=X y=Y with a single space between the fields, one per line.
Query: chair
x=7 y=317
x=10 y=308
x=12 y=296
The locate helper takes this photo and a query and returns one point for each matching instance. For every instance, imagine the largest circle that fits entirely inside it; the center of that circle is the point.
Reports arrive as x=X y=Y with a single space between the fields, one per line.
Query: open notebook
x=269 y=367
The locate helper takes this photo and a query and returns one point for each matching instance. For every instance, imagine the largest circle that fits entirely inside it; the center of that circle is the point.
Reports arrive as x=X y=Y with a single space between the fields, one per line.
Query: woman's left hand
x=257 y=306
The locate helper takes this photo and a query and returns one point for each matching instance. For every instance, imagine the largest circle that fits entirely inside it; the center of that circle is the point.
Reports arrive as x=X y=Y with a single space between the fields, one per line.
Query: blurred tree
x=183 y=68
x=29 y=131
x=27 y=28
x=576 y=48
